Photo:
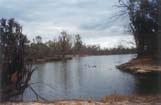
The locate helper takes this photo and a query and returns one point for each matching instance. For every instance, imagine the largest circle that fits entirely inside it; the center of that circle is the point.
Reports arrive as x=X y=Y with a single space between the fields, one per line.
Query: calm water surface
x=86 y=77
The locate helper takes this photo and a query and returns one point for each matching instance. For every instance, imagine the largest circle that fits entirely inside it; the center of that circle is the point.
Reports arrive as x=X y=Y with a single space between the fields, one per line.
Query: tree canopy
x=145 y=24
x=14 y=69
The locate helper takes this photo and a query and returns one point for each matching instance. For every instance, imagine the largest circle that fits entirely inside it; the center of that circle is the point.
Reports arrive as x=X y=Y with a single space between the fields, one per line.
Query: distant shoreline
x=69 y=57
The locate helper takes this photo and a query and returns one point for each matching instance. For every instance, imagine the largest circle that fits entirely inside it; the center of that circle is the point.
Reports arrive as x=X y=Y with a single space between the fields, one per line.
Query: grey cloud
x=90 y=18
x=96 y=25
x=104 y=24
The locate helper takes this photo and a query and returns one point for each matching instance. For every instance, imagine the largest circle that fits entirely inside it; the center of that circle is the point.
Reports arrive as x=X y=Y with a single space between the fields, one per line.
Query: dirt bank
x=109 y=100
x=142 y=65
x=80 y=103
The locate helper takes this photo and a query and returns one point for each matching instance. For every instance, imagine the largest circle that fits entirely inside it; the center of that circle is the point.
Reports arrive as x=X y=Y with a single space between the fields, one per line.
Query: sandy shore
x=80 y=103
x=141 y=66
x=115 y=99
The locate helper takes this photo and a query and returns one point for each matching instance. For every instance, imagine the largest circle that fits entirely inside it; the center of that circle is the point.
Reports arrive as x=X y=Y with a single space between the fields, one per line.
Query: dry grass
x=114 y=99
x=132 y=99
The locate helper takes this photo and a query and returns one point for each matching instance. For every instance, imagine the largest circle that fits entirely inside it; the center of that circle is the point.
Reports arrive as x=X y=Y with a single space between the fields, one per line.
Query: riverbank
x=115 y=99
x=141 y=66
x=50 y=59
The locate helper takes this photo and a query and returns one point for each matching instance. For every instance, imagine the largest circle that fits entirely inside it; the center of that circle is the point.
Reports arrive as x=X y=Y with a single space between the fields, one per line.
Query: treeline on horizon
x=63 y=45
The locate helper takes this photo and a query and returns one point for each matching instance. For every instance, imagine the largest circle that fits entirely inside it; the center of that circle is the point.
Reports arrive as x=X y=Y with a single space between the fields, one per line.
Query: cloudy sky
x=95 y=20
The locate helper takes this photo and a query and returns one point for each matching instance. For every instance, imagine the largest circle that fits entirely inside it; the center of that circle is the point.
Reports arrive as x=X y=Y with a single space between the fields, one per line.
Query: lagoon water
x=88 y=77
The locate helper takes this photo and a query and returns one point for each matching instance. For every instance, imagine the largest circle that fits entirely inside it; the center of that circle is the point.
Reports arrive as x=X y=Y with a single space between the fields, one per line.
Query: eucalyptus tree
x=13 y=44
x=145 y=24
x=65 y=43
x=78 y=44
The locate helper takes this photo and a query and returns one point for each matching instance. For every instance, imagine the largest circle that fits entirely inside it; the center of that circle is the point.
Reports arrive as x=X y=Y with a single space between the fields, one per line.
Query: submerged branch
x=37 y=95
